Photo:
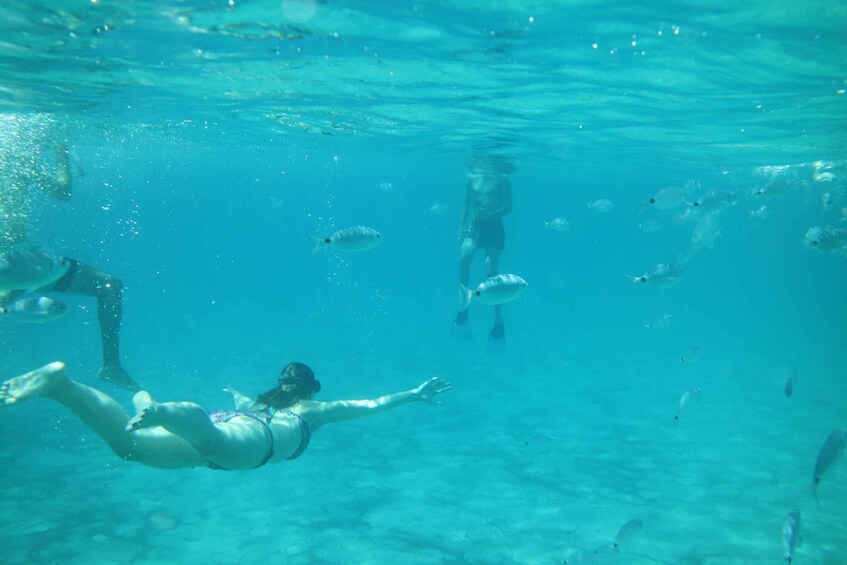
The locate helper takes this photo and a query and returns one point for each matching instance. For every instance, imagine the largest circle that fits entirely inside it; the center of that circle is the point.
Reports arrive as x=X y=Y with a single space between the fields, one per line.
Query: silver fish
x=662 y=275
x=27 y=269
x=715 y=200
x=495 y=290
x=759 y=213
x=831 y=451
x=667 y=198
x=650 y=225
x=823 y=177
x=598 y=555
x=706 y=231
x=602 y=205
x=35 y=308
x=775 y=187
x=685 y=401
x=628 y=532
x=558 y=224
x=659 y=323
x=790 y=534
x=827 y=239
x=691 y=356
x=357 y=238
x=826 y=200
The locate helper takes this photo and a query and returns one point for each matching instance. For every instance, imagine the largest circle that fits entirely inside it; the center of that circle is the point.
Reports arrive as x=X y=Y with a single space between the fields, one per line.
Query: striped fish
x=495 y=290
x=35 y=308
x=790 y=534
x=26 y=269
x=357 y=238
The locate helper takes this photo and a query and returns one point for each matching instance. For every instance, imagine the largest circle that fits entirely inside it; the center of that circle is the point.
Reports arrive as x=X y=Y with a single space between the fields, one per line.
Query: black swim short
x=490 y=234
x=64 y=282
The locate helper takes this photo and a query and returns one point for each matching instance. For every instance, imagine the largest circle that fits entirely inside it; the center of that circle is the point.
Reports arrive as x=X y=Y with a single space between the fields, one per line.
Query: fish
x=659 y=323
x=385 y=187
x=826 y=239
x=685 y=401
x=356 y=238
x=495 y=290
x=790 y=534
x=558 y=224
x=597 y=555
x=661 y=276
x=437 y=209
x=706 y=232
x=35 y=308
x=829 y=454
x=714 y=201
x=667 y=198
x=628 y=532
x=826 y=176
x=760 y=213
x=601 y=205
x=826 y=200
x=774 y=188
x=789 y=384
x=602 y=554
x=692 y=186
x=650 y=225
x=28 y=269
x=691 y=356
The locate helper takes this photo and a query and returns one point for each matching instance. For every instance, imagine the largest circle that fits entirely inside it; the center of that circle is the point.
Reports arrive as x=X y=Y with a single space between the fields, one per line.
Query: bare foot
x=148 y=412
x=142 y=400
x=118 y=377
x=40 y=382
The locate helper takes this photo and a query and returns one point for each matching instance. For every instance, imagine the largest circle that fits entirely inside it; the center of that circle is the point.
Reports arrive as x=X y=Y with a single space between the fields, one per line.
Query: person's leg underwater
x=461 y=327
x=103 y=416
x=108 y=291
x=496 y=343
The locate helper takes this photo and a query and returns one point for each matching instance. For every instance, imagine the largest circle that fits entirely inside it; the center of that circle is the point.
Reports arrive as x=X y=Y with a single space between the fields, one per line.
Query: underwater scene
x=548 y=282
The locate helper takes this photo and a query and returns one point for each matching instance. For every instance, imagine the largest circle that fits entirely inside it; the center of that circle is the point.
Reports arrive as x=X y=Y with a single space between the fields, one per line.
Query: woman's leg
x=242 y=442
x=103 y=415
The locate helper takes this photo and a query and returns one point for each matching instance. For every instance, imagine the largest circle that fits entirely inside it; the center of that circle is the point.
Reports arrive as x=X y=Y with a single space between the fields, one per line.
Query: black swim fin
x=496 y=344
x=461 y=327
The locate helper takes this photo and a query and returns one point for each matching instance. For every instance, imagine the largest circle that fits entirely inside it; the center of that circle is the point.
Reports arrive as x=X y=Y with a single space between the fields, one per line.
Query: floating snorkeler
x=488 y=197
x=275 y=427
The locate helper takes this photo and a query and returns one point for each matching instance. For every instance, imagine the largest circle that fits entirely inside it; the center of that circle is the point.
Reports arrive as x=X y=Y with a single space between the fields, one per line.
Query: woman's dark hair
x=297 y=374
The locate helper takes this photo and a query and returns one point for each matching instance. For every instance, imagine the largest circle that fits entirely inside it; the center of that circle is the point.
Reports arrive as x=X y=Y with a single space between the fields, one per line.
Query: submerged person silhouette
x=21 y=182
x=488 y=197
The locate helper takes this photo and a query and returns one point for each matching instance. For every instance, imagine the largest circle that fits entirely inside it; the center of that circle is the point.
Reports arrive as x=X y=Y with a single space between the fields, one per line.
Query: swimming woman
x=276 y=427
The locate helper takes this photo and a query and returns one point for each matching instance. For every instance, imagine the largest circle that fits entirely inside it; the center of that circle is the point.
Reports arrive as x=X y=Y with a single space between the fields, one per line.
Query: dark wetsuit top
x=265 y=417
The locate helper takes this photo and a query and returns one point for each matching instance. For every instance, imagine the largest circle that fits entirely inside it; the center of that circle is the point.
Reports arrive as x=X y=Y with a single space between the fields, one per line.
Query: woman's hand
x=428 y=390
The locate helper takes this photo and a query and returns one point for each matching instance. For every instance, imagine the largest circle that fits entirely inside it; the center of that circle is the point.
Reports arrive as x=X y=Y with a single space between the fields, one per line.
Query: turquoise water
x=205 y=139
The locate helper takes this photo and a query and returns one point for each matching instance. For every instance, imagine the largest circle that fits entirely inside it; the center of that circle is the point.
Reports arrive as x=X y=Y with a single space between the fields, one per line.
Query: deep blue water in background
x=207 y=141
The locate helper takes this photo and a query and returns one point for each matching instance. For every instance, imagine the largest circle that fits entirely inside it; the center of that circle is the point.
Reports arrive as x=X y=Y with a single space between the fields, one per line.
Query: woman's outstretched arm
x=321 y=413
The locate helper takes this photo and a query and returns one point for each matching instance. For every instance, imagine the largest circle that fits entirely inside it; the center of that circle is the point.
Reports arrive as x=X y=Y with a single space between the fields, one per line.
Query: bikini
x=264 y=417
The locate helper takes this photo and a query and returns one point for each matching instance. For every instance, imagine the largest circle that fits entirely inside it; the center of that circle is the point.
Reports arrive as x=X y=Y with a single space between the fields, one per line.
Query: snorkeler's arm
x=328 y=412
